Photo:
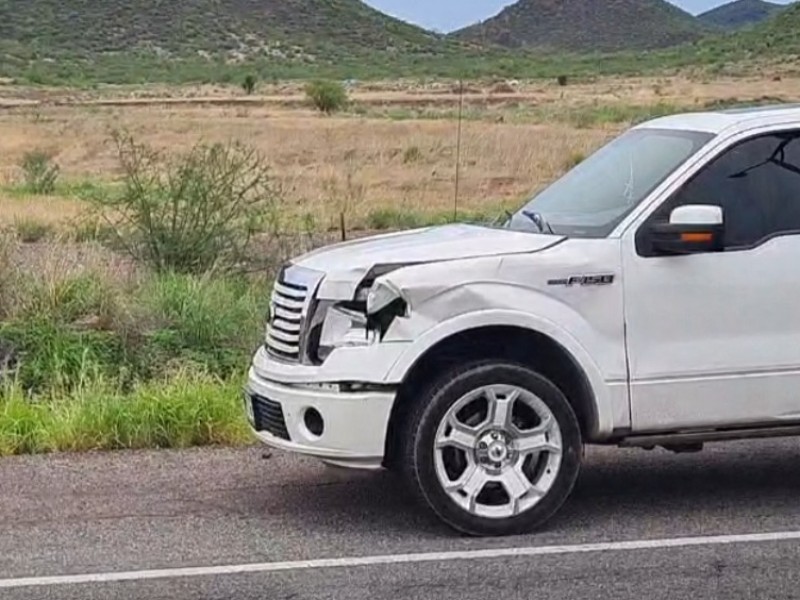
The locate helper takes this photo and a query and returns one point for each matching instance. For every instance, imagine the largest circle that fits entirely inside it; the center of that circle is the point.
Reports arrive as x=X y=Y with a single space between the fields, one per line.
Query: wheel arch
x=515 y=343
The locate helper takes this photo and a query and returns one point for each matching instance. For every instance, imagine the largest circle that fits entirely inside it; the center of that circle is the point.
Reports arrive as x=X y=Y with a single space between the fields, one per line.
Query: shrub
x=249 y=84
x=327 y=96
x=190 y=213
x=40 y=172
x=563 y=80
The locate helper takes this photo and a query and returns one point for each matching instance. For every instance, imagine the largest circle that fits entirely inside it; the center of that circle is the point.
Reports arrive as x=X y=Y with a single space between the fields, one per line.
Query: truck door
x=714 y=337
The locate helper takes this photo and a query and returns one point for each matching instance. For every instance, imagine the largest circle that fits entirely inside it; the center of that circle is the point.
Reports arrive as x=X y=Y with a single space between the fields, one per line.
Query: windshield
x=594 y=197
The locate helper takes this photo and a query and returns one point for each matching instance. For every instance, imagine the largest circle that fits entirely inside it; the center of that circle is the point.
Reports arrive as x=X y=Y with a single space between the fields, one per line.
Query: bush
x=40 y=172
x=327 y=96
x=563 y=80
x=190 y=213
x=249 y=84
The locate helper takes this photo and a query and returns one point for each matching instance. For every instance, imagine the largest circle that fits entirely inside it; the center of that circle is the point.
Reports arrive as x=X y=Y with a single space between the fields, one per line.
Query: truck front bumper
x=348 y=429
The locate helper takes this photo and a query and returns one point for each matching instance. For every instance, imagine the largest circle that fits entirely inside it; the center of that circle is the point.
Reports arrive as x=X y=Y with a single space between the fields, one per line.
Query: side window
x=757 y=184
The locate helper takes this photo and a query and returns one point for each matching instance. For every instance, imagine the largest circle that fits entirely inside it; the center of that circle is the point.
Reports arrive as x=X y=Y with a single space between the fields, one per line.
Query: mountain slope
x=740 y=13
x=587 y=25
x=777 y=36
x=231 y=28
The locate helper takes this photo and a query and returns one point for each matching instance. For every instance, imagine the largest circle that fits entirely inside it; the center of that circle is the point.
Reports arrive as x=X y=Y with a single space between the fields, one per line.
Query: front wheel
x=494 y=449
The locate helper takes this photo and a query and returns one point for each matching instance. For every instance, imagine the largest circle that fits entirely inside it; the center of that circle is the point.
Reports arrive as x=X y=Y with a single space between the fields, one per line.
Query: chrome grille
x=288 y=308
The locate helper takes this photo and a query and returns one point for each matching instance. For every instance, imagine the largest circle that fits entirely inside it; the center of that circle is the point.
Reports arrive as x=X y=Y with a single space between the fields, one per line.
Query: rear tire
x=493 y=448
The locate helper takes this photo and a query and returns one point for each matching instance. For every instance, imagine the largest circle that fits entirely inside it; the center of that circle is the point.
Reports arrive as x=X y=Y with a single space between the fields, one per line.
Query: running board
x=694 y=438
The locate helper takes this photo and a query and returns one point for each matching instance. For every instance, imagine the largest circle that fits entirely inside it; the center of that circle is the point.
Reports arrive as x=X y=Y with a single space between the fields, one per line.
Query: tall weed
x=40 y=172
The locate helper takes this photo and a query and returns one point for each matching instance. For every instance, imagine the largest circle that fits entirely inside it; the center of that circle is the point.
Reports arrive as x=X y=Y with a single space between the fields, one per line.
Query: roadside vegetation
x=139 y=339
x=137 y=243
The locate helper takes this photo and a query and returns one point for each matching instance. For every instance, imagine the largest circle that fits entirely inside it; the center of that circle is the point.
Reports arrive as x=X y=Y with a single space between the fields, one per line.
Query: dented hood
x=345 y=265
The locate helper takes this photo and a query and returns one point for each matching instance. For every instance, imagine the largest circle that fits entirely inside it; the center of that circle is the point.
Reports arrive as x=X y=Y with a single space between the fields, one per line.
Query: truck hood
x=346 y=264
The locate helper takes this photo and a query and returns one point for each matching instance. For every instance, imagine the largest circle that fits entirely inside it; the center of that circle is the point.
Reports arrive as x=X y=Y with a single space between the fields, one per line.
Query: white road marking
x=392 y=559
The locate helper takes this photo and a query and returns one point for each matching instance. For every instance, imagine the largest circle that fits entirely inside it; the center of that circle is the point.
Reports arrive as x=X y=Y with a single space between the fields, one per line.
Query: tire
x=497 y=420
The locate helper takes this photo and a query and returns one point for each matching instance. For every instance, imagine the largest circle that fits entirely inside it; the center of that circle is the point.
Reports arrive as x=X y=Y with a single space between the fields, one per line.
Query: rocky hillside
x=234 y=29
x=587 y=25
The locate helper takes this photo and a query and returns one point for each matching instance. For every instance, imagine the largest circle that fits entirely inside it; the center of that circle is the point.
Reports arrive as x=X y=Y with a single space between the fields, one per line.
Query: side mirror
x=692 y=228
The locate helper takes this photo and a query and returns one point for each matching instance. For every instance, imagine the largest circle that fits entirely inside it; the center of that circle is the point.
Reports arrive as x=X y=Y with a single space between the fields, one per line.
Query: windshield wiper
x=539 y=221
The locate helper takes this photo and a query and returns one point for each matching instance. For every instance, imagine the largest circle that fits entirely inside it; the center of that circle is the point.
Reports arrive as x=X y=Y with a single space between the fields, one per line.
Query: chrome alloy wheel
x=498 y=451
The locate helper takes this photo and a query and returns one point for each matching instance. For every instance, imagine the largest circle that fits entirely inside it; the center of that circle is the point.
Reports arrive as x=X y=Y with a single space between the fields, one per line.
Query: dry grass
x=358 y=164
x=321 y=162
x=42 y=209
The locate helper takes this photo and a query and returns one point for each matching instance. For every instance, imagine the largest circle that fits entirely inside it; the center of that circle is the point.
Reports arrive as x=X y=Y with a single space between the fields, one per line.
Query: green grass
x=182 y=411
x=388 y=218
x=103 y=366
x=79 y=189
x=76 y=329
x=108 y=361
x=55 y=357
x=101 y=350
x=210 y=321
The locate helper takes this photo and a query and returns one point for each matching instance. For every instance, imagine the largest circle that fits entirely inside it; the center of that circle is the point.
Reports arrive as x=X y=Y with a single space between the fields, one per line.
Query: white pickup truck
x=650 y=297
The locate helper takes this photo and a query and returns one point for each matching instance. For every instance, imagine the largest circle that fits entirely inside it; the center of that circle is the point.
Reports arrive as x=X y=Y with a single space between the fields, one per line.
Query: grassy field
x=102 y=348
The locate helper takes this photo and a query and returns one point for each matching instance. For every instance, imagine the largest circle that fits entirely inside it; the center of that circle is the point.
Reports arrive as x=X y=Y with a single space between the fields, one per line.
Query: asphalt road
x=138 y=512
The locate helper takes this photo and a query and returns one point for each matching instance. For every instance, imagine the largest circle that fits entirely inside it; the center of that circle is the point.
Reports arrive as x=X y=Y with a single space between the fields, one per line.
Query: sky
x=448 y=15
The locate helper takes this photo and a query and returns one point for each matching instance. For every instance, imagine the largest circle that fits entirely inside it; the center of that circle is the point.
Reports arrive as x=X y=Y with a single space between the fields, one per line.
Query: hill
x=233 y=29
x=777 y=36
x=740 y=13
x=583 y=25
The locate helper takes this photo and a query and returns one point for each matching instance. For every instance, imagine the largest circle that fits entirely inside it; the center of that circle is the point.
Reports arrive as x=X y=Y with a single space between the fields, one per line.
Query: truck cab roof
x=716 y=122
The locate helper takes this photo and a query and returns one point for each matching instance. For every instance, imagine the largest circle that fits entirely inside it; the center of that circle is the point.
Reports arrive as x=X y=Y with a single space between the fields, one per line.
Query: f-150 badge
x=583 y=280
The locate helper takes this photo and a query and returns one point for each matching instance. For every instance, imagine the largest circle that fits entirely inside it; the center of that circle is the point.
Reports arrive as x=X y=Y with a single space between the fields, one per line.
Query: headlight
x=359 y=322
x=381 y=295
x=341 y=328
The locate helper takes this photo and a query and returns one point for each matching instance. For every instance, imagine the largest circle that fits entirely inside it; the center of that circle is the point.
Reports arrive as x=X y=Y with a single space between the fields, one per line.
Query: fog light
x=313 y=421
